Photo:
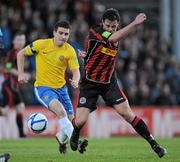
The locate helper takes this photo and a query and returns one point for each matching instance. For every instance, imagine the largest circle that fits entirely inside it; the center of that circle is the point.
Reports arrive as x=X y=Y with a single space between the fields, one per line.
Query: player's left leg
x=140 y=126
x=82 y=114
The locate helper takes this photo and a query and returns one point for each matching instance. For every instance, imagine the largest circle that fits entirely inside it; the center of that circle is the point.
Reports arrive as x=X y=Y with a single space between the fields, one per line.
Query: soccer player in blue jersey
x=52 y=58
x=100 y=55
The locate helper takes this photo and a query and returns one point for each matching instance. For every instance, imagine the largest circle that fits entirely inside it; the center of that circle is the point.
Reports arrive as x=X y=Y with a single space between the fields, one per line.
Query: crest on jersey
x=61 y=58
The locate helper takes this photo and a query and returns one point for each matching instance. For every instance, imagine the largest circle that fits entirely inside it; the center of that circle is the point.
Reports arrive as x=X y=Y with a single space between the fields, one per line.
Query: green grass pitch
x=122 y=149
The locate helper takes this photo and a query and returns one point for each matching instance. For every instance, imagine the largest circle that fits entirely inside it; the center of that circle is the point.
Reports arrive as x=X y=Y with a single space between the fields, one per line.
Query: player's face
x=61 y=36
x=19 y=41
x=110 y=26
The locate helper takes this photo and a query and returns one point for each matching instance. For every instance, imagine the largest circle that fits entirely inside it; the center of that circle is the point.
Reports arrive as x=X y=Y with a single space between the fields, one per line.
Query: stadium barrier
x=103 y=123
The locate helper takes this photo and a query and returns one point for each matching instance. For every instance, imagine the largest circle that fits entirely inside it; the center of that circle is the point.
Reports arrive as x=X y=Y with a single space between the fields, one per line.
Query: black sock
x=76 y=128
x=19 y=121
x=142 y=129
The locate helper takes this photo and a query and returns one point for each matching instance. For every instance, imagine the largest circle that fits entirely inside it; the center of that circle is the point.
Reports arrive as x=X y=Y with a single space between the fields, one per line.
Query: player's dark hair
x=111 y=14
x=18 y=33
x=63 y=24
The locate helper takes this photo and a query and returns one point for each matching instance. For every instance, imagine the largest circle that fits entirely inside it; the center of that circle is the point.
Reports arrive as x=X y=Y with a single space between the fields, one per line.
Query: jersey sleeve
x=73 y=60
x=99 y=34
x=33 y=48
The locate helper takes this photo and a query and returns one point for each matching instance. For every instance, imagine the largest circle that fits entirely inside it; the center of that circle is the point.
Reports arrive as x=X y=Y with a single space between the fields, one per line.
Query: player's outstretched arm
x=22 y=77
x=115 y=37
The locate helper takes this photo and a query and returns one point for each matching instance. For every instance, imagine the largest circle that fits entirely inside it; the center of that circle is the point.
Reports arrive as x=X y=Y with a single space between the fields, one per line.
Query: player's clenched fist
x=74 y=83
x=23 y=78
x=140 y=18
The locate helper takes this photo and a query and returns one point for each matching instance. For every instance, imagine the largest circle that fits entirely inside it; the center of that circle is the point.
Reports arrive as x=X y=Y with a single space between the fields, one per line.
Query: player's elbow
x=21 y=53
x=113 y=39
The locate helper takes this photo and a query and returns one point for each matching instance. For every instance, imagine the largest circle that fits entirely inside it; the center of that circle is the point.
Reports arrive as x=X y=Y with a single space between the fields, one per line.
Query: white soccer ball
x=37 y=122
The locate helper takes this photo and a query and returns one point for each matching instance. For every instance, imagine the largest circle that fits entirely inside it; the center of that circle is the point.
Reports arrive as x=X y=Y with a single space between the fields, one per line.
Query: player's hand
x=74 y=83
x=140 y=18
x=82 y=54
x=23 y=78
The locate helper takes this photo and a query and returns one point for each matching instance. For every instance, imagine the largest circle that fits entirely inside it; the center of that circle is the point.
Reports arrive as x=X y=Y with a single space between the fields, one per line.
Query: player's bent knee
x=61 y=113
x=81 y=116
x=80 y=122
x=5 y=111
x=20 y=107
x=125 y=111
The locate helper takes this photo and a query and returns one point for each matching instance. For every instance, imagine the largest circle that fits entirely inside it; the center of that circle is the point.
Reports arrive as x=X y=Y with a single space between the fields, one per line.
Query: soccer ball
x=37 y=122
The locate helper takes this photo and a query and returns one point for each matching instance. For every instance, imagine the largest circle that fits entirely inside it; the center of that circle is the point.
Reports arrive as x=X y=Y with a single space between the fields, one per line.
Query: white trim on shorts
x=39 y=99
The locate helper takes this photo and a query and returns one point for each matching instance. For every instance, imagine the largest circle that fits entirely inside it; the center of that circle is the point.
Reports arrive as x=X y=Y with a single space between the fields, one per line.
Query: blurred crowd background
x=147 y=66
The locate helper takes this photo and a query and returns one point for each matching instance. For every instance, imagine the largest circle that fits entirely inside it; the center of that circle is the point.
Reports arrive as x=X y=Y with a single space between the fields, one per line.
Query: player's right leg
x=87 y=103
x=65 y=125
x=49 y=99
x=5 y=157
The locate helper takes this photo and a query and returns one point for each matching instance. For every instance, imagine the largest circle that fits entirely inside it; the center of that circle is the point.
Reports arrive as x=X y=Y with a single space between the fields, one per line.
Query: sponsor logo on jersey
x=108 y=51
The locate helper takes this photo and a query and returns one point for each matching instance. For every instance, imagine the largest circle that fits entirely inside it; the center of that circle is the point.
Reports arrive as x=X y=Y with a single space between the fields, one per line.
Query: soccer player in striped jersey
x=99 y=59
x=52 y=58
x=4 y=157
x=10 y=87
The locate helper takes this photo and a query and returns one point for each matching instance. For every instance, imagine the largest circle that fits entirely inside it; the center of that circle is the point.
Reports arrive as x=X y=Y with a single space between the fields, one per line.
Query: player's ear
x=54 y=32
x=102 y=21
x=118 y=27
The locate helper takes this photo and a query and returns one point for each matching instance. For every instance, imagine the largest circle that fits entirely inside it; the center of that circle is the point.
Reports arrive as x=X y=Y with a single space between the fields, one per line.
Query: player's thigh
x=7 y=95
x=18 y=102
x=63 y=97
x=112 y=94
x=125 y=111
x=56 y=107
x=88 y=96
x=71 y=117
x=45 y=95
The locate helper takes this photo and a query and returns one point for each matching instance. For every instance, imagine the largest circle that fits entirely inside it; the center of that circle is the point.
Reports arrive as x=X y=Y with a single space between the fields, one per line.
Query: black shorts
x=89 y=92
x=11 y=96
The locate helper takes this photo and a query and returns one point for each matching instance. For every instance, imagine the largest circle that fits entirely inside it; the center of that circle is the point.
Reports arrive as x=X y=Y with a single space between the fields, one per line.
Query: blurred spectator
x=10 y=89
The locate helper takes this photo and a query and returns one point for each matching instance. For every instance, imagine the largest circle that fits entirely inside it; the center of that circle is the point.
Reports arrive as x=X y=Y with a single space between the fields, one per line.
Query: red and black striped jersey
x=101 y=54
x=10 y=62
